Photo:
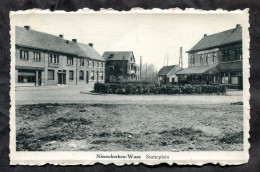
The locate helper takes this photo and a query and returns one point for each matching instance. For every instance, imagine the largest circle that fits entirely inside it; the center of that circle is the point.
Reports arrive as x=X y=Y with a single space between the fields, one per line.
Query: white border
x=89 y=158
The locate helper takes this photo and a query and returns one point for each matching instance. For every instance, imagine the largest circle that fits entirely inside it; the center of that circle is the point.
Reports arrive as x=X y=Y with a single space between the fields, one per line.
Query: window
x=81 y=62
x=238 y=54
x=214 y=57
x=23 y=54
x=53 y=58
x=207 y=58
x=36 y=56
x=201 y=59
x=50 y=74
x=97 y=64
x=93 y=63
x=92 y=75
x=70 y=61
x=87 y=62
x=101 y=76
x=71 y=74
x=81 y=75
x=102 y=64
x=111 y=68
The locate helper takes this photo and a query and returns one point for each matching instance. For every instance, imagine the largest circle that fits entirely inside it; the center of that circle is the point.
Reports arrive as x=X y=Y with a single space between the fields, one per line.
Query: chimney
x=61 y=36
x=27 y=27
x=238 y=25
x=74 y=40
x=205 y=35
x=90 y=44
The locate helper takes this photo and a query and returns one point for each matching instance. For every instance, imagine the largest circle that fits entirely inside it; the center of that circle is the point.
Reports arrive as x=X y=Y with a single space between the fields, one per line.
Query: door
x=61 y=78
x=39 y=78
x=87 y=77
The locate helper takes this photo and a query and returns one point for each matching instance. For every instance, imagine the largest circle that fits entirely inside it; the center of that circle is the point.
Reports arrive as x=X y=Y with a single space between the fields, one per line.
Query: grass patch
x=232 y=138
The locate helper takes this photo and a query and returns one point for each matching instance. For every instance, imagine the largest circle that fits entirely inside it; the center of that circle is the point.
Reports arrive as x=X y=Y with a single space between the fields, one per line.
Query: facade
x=216 y=59
x=44 y=59
x=121 y=66
x=167 y=74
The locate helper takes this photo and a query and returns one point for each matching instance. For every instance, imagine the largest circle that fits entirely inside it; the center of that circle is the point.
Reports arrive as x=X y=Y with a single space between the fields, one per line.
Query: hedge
x=144 y=88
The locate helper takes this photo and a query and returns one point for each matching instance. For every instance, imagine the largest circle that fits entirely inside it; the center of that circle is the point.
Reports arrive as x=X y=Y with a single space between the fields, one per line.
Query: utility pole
x=140 y=68
x=123 y=67
x=167 y=60
x=180 y=59
x=146 y=72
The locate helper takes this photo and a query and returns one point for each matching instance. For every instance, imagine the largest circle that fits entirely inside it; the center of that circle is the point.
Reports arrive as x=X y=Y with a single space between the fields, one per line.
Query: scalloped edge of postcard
x=198 y=158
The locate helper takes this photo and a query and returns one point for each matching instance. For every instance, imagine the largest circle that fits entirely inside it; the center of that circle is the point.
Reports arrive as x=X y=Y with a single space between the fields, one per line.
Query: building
x=216 y=59
x=45 y=59
x=121 y=66
x=167 y=74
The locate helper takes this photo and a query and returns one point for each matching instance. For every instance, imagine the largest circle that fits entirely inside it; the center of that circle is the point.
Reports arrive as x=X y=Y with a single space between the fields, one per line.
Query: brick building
x=45 y=59
x=121 y=66
x=216 y=59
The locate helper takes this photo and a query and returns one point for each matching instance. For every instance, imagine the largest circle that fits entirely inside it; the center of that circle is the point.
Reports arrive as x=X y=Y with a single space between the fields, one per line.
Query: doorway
x=62 y=77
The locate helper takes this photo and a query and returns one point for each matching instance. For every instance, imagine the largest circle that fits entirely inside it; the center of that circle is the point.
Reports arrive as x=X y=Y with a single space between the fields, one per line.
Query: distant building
x=121 y=66
x=216 y=59
x=167 y=74
x=45 y=59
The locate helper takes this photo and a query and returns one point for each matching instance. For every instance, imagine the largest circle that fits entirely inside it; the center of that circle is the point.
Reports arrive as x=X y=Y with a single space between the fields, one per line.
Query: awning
x=208 y=69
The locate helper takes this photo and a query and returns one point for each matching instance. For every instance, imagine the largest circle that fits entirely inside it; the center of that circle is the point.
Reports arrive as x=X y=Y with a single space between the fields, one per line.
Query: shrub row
x=142 y=88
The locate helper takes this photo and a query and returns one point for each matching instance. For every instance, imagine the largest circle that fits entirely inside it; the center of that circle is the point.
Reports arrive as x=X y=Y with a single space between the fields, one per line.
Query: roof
x=90 y=52
x=166 y=69
x=34 y=39
x=198 y=70
x=44 y=41
x=117 y=55
x=219 y=39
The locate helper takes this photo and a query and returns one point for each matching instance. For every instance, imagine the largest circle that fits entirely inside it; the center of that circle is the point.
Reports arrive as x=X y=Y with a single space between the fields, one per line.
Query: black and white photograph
x=129 y=87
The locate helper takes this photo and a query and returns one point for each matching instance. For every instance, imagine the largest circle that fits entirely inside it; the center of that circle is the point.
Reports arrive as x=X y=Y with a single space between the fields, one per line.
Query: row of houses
x=45 y=59
x=215 y=59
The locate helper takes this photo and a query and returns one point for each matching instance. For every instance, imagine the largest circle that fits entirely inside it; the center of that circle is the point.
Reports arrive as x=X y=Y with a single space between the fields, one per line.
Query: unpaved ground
x=119 y=127
x=80 y=94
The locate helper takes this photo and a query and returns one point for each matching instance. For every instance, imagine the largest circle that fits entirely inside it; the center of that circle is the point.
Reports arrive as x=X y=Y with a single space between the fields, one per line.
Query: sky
x=151 y=36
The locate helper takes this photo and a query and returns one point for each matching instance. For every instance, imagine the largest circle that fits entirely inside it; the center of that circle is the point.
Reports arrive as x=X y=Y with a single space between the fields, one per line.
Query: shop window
x=36 y=56
x=24 y=55
x=81 y=75
x=234 y=80
x=71 y=74
x=225 y=80
x=92 y=76
x=70 y=61
x=26 y=76
x=50 y=74
x=53 y=58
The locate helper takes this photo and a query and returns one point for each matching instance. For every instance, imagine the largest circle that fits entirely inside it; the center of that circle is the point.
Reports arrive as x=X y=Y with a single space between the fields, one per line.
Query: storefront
x=29 y=77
